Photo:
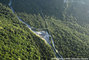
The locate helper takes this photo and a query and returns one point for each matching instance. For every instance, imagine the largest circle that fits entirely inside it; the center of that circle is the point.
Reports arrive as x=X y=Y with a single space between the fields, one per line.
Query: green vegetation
x=69 y=34
x=17 y=42
x=70 y=38
x=47 y=7
x=67 y=23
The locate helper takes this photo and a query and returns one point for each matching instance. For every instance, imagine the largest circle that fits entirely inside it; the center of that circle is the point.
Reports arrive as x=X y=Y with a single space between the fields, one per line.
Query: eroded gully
x=42 y=34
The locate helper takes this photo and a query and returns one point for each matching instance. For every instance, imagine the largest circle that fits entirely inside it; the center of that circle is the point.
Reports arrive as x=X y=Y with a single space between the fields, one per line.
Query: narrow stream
x=43 y=34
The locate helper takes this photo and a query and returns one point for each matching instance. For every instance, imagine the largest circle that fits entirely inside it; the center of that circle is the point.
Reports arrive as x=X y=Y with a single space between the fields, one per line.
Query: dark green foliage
x=66 y=22
x=71 y=39
x=46 y=7
x=33 y=18
x=71 y=42
x=18 y=42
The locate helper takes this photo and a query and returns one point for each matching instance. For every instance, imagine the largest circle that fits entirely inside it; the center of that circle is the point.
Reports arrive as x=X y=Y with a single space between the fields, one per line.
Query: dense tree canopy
x=64 y=21
x=18 y=42
x=67 y=23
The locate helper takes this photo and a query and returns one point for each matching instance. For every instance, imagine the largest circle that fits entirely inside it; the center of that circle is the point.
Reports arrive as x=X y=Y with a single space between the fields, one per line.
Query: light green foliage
x=17 y=42
x=68 y=23
x=70 y=38
x=69 y=34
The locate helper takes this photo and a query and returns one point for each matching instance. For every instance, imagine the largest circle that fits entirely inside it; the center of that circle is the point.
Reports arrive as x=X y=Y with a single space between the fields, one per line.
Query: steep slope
x=71 y=39
x=19 y=42
x=78 y=9
x=47 y=7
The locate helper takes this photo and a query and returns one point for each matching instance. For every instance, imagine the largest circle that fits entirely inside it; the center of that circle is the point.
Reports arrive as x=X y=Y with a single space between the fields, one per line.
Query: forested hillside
x=46 y=7
x=67 y=22
x=70 y=36
x=17 y=42
x=78 y=9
